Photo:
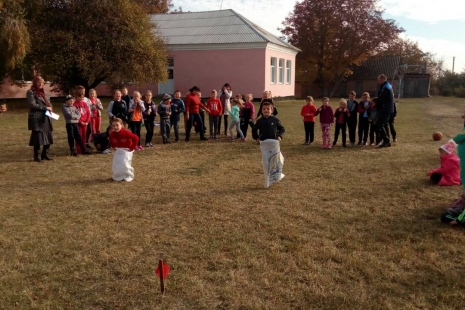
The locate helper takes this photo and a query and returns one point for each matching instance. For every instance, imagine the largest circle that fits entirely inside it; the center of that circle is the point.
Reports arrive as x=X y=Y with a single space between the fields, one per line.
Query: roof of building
x=212 y=27
x=371 y=68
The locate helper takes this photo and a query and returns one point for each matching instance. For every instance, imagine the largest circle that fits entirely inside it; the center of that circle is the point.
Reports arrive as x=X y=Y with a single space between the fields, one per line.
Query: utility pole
x=453 y=64
x=221 y=5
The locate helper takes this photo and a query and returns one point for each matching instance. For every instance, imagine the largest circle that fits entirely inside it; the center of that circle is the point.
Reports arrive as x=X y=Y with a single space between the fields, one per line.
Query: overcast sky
x=437 y=25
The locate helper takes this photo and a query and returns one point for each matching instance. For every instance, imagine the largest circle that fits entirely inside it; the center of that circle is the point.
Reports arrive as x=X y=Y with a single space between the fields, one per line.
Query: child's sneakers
x=243 y=139
x=107 y=151
x=150 y=144
x=147 y=144
x=139 y=148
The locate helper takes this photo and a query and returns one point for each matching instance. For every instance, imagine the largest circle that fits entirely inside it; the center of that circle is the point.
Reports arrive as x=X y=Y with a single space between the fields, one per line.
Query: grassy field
x=354 y=228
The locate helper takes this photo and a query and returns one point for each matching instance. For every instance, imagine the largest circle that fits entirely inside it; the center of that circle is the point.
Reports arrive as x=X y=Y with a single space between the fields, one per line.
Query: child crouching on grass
x=326 y=120
x=449 y=172
x=102 y=141
x=125 y=142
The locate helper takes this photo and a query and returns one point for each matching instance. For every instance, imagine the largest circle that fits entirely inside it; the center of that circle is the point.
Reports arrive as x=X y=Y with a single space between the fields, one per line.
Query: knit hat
x=68 y=97
x=166 y=97
x=449 y=147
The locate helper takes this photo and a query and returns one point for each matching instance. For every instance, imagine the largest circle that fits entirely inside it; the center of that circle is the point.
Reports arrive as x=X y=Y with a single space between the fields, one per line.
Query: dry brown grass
x=346 y=229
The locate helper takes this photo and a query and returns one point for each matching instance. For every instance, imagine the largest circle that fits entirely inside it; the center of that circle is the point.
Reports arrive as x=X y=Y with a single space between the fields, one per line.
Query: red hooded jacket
x=83 y=108
x=124 y=139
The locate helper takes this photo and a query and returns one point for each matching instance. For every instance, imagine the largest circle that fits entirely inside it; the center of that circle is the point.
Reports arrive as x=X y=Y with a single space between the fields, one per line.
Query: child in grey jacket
x=72 y=116
x=373 y=116
x=164 y=110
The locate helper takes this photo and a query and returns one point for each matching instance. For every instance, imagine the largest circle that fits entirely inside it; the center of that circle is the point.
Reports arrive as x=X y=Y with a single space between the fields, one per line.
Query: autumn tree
x=335 y=35
x=14 y=36
x=83 y=42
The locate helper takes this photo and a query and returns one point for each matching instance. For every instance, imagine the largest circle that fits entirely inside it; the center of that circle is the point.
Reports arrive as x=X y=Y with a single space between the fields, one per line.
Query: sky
x=437 y=25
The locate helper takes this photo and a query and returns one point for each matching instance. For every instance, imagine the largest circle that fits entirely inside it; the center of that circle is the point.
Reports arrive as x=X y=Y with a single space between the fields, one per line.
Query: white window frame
x=281 y=71
x=273 y=68
x=288 y=71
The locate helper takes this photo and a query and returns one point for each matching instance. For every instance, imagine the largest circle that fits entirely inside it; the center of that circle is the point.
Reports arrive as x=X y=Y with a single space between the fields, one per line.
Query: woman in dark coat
x=39 y=124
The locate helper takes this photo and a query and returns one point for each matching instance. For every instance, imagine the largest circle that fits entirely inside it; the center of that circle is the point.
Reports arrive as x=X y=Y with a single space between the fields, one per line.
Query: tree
x=14 y=36
x=334 y=35
x=156 y=6
x=84 y=42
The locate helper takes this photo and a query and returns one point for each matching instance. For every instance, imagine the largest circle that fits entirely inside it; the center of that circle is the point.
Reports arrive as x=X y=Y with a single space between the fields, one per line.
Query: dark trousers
x=245 y=126
x=340 y=127
x=201 y=126
x=435 y=178
x=374 y=134
x=74 y=136
x=135 y=128
x=381 y=126
x=363 y=126
x=309 y=131
x=213 y=122
x=175 y=124
x=165 y=129
x=352 y=124
x=391 y=127
x=225 y=124
x=149 y=126
x=88 y=132
x=190 y=123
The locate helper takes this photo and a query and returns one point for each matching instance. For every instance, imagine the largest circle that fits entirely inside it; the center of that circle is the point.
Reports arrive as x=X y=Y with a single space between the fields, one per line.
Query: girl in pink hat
x=449 y=172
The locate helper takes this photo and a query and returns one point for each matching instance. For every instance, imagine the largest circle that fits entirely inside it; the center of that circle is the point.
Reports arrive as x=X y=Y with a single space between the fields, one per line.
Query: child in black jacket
x=269 y=126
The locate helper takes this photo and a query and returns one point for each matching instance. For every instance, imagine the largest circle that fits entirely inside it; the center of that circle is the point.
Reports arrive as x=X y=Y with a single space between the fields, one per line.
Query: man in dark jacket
x=385 y=109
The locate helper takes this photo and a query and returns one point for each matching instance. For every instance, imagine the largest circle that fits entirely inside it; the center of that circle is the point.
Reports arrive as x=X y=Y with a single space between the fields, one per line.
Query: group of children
x=346 y=116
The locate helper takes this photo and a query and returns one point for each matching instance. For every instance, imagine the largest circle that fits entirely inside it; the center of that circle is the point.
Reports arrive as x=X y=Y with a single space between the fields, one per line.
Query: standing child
x=269 y=126
x=373 y=116
x=449 y=172
x=214 y=105
x=136 y=108
x=363 y=123
x=95 y=111
x=341 y=115
x=164 y=110
x=352 y=105
x=177 y=107
x=326 y=120
x=125 y=142
x=460 y=140
x=149 y=115
x=127 y=100
x=72 y=116
x=235 y=122
x=225 y=97
x=266 y=97
x=246 y=114
x=84 y=121
x=308 y=113
x=117 y=107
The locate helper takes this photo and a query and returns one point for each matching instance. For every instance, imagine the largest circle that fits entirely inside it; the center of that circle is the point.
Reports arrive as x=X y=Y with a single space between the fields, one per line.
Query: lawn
x=354 y=228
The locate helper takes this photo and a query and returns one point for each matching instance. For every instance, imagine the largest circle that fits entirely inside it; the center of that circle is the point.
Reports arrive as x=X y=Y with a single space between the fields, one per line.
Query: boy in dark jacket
x=72 y=116
x=373 y=116
x=352 y=106
x=341 y=116
x=177 y=107
x=164 y=110
x=269 y=126
x=102 y=141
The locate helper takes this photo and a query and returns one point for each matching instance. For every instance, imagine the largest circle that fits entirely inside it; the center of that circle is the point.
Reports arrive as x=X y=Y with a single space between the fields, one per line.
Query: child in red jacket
x=214 y=105
x=449 y=172
x=308 y=113
x=84 y=121
x=326 y=120
x=341 y=115
x=125 y=142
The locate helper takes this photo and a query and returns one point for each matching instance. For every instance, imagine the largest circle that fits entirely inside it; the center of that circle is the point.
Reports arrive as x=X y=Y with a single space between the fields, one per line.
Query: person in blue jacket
x=385 y=109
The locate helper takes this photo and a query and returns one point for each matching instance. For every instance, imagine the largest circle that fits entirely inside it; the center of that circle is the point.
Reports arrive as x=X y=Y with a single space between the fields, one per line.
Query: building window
x=288 y=71
x=170 y=74
x=273 y=70
x=23 y=75
x=281 y=71
x=170 y=62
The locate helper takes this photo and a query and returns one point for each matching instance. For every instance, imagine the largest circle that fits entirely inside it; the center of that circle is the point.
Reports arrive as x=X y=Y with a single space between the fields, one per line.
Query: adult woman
x=39 y=123
x=225 y=95
x=193 y=106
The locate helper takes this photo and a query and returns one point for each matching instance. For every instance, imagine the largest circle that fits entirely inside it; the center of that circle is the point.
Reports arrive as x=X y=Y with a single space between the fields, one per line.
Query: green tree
x=156 y=6
x=14 y=36
x=334 y=35
x=83 y=42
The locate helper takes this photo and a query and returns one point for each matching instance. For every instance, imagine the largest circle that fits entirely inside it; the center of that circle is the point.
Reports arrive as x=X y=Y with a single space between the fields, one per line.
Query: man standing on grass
x=386 y=108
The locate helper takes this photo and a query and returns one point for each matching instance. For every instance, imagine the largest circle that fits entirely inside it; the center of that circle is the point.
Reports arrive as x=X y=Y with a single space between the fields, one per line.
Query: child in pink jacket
x=449 y=172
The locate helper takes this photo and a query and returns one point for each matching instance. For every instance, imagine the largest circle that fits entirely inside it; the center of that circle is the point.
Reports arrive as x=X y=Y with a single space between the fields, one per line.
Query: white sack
x=272 y=160
x=122 y=165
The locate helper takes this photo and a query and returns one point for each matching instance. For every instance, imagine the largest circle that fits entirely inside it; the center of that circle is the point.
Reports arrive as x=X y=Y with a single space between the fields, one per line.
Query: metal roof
x=212 y=27
x=371 y=68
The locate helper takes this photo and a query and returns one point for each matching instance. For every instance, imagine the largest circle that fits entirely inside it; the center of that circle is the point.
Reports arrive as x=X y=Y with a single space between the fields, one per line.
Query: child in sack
x=125 y=142
x=449 y=172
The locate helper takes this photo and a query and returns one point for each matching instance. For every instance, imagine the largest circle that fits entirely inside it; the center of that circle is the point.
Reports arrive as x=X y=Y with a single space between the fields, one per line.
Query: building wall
x=8 y=91
x=211 y=69
x=278 y=89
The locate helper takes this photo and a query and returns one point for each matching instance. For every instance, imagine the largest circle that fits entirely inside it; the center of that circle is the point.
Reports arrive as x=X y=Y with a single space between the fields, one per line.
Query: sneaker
x=150 y=145
x=141 y=148
x=395 y=140
x=365 y=143
x=243 y=139
x=372 y=144
x=147 y=144
x=107 y=151
x=305 y=143
x=203 y=139
x=359 y=143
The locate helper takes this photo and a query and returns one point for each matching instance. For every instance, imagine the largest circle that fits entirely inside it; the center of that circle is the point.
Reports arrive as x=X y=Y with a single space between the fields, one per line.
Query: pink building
x=208 y=49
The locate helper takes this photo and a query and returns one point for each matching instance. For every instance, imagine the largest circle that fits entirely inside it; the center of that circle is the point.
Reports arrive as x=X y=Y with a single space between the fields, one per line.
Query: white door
x=168 y=86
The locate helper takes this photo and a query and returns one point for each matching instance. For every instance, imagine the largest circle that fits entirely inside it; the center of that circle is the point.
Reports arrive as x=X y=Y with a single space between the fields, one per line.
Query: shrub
x=460 y=91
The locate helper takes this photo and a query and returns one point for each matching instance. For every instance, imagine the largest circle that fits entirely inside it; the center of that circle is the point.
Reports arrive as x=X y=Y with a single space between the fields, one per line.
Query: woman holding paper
x=38 y=122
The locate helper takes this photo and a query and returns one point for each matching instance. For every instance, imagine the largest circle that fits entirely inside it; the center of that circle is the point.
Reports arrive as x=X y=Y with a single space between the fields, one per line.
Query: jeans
x=340 y=127
x=213 y=122
x=309 y=131
x=374 y=136
x=165 y=129
x=149 y=126
x=363 y=126
x=74 y=136
x=381 y=125
x=236 y=123
x=352 y=124
x=175 y=124
x=135 y=128
x=190 y=123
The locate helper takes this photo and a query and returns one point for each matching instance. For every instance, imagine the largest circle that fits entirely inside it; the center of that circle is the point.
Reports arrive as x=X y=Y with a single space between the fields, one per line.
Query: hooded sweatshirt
x=450 y=170
x=84 y=110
